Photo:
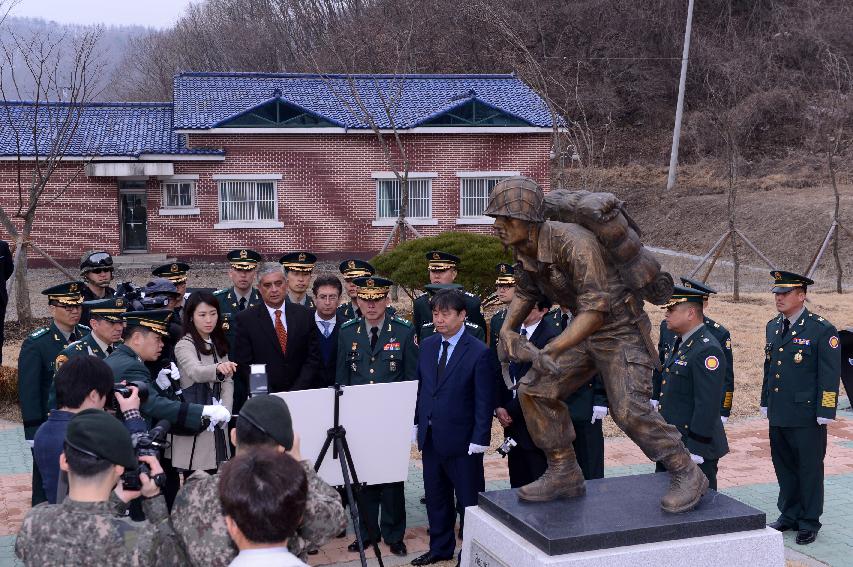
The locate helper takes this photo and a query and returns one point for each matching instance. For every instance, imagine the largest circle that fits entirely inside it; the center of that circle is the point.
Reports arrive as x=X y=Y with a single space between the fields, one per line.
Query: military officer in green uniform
x=36 y=362
x=720 y=333
x=96 y=271
x=693 y=382
x=428 y=329
x=443 y=268
x=802 y=367
x=378 y=348
x=505 y=289
x=178 y=274
x=242 y=294
x=105 y=320
x=350 y=270
x=298 y=267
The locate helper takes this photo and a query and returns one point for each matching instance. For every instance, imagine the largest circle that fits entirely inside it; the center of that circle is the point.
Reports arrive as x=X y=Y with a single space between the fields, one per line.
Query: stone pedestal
x=618 y=522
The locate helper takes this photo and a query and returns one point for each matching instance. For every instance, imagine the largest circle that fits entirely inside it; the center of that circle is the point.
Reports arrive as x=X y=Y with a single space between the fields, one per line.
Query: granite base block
x=490 y=543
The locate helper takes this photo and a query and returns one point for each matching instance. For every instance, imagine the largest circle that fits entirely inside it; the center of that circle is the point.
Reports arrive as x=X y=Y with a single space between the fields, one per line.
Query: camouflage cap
x=518 y=198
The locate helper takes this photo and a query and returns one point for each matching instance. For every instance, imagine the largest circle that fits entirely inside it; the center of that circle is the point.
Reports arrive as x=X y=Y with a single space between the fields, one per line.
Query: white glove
x=724 y=419
x=221 y=424
x=474 y=448
x=763 y=411
x=824 y=420
x=164 y=380
x=176 y=374
x=30 y=443
x=414 y=434
x=216 y=413
x=696 y=459
x=654 y=404
x=598 y=412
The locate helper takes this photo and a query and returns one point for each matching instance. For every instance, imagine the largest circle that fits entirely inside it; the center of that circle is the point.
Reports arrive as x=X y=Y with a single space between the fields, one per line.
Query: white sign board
x=378 y=420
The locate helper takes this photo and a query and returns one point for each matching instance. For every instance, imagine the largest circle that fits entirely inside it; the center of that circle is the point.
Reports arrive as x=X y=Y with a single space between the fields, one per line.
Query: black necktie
x=241 y=304
x=72 y=337
x=786 y=325
x=110 y=349
x=524 y=331
x=564 y=322
x=675 y=345
x=442 y=361
x=374 y=337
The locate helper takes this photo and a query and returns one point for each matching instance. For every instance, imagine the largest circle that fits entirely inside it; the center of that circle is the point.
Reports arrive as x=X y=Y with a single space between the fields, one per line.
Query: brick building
x=278 y=162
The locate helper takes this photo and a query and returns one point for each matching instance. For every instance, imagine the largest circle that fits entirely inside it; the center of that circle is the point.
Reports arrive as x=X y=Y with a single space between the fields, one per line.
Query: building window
x=247 y=201
x=474 y=195
x=388 y=198
x=179 y=194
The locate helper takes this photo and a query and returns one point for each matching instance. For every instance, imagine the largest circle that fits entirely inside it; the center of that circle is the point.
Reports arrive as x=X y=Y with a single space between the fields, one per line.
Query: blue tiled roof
x=206 y=100
x=104 y=129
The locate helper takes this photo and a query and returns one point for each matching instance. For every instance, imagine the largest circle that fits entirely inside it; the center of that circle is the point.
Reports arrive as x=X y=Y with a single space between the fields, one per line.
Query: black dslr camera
x=147 y=444
x=134 y=295
x=124 y=391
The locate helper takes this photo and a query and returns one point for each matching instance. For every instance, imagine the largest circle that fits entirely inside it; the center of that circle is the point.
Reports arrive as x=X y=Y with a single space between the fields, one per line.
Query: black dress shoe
x=779 y=526
x=399 y=548
x=805 y=537
x=353 y=547
x=428 y=559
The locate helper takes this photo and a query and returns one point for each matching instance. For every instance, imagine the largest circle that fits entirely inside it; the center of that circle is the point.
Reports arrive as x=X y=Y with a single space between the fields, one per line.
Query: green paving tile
x=15 y=455
x=7 y=552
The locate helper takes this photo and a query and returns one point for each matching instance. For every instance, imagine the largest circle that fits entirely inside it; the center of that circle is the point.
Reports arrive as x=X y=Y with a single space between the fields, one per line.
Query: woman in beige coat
x=206 y=378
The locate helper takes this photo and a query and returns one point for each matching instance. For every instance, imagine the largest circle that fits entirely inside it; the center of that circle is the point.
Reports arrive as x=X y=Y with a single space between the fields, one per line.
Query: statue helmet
x=518 y=198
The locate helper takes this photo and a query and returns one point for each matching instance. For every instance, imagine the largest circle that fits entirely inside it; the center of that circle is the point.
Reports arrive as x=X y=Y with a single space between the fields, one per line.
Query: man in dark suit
x=328 y=319
x=7 y=266
x=453 y=418
x=282 y=336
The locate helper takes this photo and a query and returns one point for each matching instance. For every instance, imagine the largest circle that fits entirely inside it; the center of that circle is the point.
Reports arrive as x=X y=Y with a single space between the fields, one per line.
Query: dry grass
x=8 y=384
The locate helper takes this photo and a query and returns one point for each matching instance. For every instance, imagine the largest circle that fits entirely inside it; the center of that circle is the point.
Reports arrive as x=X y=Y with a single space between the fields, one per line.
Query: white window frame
x=172 y=210
x=380 y=176
x=482 y=176
x=249 y=223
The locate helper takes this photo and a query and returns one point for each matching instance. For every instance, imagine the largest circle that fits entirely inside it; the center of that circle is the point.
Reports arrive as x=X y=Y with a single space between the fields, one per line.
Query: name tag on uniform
x=801 y=341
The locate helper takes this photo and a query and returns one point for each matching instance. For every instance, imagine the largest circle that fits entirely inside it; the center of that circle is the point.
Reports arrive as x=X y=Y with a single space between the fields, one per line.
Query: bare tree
x=44 y=131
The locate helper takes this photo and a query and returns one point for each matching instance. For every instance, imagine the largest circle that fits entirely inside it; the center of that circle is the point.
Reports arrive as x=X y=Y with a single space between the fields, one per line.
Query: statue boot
x=687 y=484
x=562 y=479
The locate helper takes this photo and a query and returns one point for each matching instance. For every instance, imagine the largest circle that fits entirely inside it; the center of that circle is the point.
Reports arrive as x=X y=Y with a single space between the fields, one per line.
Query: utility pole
x=679 y=108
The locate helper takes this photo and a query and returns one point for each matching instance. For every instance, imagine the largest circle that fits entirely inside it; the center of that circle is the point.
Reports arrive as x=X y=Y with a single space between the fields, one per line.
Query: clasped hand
x=519 y=349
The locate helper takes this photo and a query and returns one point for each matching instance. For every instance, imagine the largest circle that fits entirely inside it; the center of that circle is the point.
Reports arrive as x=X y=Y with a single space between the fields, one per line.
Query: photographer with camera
x=143 y=342
x=206 y=377
x=88 y=524
x=264 y=423
x=85 y=382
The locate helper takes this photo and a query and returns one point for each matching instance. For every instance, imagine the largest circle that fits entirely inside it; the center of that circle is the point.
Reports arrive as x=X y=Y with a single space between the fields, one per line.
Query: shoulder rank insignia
x=472 y=325
x=402 y=321
x=38 y=332
x=728 y=344
x=712 y=363
x=351 y=322
x=716 y=325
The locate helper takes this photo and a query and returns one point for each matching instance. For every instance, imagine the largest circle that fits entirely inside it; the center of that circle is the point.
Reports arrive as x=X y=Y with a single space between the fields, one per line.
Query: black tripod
x=337 y=438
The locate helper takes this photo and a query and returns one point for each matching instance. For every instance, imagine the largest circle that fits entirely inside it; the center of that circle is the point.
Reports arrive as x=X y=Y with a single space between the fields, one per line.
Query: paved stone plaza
x=746 y=474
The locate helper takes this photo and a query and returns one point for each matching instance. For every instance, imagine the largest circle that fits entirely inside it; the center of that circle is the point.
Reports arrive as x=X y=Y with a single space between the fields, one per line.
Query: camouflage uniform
x=83 y=533
x=200 y=525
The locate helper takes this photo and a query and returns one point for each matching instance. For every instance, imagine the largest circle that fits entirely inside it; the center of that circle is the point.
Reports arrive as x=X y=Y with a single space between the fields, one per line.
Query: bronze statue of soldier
x=595 y=266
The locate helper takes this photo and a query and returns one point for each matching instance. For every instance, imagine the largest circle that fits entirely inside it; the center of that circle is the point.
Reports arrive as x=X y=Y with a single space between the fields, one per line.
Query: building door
x=134 y=216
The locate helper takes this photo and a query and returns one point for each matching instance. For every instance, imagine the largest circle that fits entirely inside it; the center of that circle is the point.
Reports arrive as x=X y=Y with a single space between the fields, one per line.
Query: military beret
x=697 y=285
x=356 y=269
x=98 y=434
x=244 y=259
x=176 y=272
x=298 y=261
x=271 y=416
x=440 y=261
x=683 y=294
x=65 y=294
x=783 y=282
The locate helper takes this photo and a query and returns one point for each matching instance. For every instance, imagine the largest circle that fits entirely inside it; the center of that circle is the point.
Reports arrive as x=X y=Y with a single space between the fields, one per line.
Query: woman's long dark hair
x=217 y=336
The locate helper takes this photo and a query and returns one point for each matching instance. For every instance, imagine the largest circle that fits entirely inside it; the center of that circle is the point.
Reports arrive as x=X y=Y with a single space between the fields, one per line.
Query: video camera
x=147 y=444
x=136 y=299
x=123 y=390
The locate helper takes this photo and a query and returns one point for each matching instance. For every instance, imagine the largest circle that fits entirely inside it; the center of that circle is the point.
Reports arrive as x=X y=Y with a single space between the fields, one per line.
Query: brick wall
x=326 y=197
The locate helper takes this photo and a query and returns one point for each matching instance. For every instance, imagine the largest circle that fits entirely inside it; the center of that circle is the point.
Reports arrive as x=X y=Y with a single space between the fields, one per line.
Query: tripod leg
x=326 y=443
x=356 y=511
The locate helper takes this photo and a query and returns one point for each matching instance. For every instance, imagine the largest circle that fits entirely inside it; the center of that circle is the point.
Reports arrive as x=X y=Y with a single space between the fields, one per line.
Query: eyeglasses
x=71 y=308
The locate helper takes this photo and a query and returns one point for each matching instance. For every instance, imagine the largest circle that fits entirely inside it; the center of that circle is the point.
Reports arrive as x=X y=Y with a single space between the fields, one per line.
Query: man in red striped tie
x=280 y=335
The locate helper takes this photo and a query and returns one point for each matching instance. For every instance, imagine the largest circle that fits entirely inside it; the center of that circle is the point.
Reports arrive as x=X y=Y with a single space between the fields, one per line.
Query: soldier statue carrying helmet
x=590 y=260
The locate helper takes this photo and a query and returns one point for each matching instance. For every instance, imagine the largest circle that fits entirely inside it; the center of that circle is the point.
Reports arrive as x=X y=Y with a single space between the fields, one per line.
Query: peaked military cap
x=697 y=285
x=156 y=320
x=65 y=294
x=683 y=294
x=271 y=416
x=176 y=272
x=160 y=286
x=434 y=288
x=372 y=287
x=440 y=261
x=352 y=269
x=505 y=274
x=298 y=261
x=110 y=308
x=244 y=259
x=783 y=282
x=95 y=260
x=96 y=433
